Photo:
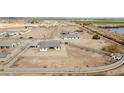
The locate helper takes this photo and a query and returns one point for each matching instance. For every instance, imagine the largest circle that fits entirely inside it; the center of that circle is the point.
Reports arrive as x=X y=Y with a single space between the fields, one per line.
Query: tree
x=96 y=37
x=30 y=37
x=20 y=37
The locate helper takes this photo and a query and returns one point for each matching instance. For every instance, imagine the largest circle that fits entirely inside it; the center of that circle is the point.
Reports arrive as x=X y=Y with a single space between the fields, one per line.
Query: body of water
x=118 y=30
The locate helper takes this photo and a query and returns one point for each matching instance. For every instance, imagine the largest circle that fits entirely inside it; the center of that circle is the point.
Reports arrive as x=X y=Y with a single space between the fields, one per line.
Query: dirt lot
x=42 y=33
x=67 y=56
x=6 y=25
x=52 y=32
x=73 y=58
x=86 y=40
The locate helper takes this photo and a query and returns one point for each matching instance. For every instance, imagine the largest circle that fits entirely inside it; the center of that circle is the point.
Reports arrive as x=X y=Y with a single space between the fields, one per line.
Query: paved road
x=65 y=70
x=15 y=58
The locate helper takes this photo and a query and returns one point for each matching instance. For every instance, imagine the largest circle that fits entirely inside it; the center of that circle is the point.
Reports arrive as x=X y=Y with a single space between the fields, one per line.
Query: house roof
x=70 y=35
x=7 y=42
x=48 y=44
x=68 y=31
x=3 y=54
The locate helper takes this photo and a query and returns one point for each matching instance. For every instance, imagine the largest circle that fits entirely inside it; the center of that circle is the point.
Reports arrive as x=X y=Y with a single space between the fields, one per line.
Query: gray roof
x=7 y=42
x=48 y=44
x=68 y=31
x=70 y=35
x=3 y=54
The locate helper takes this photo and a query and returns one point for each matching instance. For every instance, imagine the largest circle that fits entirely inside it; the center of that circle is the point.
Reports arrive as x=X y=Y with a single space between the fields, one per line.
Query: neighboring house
x=78 y=31
x=3 y=54
x=28 y=26
x=70 y=36
x=12 y=33
x=9 y=33
x=45 y=45
x=71 y=31
x=68 y=31
x=65 y=32
x=6 y=43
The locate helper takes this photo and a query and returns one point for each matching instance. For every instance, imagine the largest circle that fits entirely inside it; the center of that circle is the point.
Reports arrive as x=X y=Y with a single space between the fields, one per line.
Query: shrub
x=112 y=48
x=96 y=37
x=66 y=43
x=20 y=37
x=30 y=37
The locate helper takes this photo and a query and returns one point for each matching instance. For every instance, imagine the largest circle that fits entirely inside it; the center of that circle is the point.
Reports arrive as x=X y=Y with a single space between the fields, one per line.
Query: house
x=70 y=36
x=71 y=31
x=7 y=43
x=30 y=27
x=3 y=54
x=78 y=31
x=65 y=32
x=68 y=31
x=9 y=33
x=45 y=45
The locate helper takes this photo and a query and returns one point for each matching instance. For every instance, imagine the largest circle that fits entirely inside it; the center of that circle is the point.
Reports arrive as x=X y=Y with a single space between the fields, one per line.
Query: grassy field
x=104 y=21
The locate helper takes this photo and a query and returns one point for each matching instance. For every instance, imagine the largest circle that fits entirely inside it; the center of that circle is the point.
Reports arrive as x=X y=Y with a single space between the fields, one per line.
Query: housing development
x=61 y=46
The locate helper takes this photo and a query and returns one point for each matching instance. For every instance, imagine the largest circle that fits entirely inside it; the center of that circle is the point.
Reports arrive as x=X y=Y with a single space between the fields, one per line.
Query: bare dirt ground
x=86 y=40
x=67 y=56
x=45 y=74
x=41 y=33
x=52 y=32
x=75 y=58
x=14 y=25
x=7 y=25
x=69 y=28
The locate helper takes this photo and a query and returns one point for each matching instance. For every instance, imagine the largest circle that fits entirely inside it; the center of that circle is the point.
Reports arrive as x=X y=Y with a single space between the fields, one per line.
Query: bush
x=66 y=43
x=30 y=37
x=112 y=48
x=20 y=37
x=96 y=37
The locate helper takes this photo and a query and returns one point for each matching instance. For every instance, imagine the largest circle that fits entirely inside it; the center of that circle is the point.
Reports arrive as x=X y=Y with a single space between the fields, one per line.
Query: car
x=116 y=56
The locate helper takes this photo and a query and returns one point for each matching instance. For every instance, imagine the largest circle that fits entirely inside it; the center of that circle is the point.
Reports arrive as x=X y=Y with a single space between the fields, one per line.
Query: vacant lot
x=86 y=40
x=67 y=56
x=73 y=58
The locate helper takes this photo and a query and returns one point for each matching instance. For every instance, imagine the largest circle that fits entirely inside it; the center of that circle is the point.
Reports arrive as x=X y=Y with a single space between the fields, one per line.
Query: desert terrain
x=84 y=52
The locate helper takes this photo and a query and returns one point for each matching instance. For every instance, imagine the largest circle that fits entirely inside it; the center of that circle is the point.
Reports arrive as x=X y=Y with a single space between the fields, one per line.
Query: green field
x=105 y=21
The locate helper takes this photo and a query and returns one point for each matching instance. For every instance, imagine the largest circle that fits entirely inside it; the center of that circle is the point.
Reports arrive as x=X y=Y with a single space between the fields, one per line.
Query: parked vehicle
x=116 y=56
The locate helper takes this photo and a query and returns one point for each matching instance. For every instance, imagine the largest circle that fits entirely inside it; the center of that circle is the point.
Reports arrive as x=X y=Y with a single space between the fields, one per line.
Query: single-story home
x=71 y=31
x=3 y=54
x=7 y=43
x=51 y=44
x=70 y=36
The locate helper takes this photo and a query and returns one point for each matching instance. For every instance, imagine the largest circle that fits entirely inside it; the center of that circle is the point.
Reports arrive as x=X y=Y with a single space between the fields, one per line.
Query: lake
x=119 y=30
